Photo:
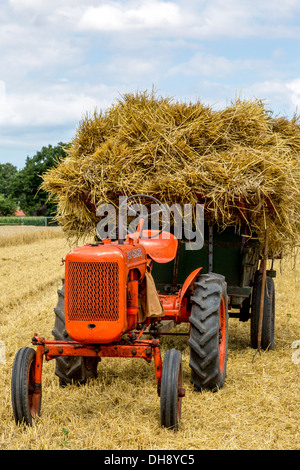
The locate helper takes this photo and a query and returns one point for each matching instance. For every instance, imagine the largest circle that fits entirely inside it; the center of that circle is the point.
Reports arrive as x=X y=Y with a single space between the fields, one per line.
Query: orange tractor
x=103 y=311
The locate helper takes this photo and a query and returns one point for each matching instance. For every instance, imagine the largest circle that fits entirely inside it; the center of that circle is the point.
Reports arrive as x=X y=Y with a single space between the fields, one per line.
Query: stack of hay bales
x=239 y=160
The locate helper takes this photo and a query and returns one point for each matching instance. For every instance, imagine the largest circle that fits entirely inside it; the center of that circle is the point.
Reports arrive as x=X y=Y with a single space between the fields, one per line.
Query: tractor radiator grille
x=93 y=291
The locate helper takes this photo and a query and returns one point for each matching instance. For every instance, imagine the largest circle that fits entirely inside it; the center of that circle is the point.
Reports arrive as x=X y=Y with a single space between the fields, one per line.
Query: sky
x=62 y=59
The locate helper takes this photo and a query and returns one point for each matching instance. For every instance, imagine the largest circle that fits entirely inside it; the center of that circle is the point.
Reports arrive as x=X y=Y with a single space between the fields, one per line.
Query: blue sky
x=61 y=59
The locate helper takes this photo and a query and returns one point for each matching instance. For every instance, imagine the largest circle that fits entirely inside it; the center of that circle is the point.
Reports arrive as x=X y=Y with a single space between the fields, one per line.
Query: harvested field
x=258 y=408
x=12 y=235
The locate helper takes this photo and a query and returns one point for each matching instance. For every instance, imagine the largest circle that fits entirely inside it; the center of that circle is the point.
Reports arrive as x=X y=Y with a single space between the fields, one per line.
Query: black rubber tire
x=171 y=384
x=268 y=324
x=208 y=341
x=70 y=369
x=24 y=408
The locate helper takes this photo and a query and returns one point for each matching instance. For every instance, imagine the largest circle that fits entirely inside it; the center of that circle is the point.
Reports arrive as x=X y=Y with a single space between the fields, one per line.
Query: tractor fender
x=189 y=280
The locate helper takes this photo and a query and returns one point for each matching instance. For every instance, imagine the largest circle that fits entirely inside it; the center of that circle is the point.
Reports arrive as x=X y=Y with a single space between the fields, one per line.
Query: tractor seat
x=161 y=248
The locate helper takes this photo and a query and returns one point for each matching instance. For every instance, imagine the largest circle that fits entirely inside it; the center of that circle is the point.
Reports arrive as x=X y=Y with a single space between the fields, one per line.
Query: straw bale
x=241 y=162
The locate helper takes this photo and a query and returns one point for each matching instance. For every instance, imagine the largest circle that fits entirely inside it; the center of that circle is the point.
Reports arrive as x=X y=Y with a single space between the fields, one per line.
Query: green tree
x=7 y=172
x=7 y=206
x=24 y=185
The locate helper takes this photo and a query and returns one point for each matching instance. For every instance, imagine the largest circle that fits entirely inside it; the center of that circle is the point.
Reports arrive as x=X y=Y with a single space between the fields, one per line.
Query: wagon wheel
x=209 y=332
x=26 y=403
x=171 y=390
x=268 y=325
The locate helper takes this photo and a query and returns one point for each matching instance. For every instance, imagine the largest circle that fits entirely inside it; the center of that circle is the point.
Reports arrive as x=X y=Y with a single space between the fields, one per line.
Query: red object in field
x=19 y=213
x=105 y=315
x=101 y=283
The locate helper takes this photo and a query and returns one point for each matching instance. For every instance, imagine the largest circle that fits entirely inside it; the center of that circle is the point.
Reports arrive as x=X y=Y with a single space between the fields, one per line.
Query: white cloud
x=203 y=64
x=132 y=68
x=236 y=18
x=199 y=19
x=184 y=18
x=122 y=16
x=294 y=88
x=27 y=4
x=280 y=96
x=7 y=113
x=51 y=106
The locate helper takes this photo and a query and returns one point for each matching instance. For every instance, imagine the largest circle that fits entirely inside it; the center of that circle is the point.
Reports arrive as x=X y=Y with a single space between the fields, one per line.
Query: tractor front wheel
x=209 y=332
x=26 y=400
x=171 y=392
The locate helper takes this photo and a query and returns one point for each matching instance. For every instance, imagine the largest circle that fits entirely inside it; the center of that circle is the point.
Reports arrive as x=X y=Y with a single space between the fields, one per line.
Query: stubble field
x=258 y=407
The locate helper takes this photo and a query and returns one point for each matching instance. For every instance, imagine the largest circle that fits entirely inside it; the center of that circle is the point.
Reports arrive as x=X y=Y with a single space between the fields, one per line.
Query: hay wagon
x=238 y=258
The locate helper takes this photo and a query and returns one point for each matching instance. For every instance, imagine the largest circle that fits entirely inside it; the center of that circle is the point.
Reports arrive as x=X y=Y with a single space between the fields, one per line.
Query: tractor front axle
x=144 y=349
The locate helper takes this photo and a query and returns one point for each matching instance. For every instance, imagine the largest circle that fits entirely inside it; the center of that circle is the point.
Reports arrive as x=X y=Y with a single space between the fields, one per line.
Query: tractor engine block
x=96 y=285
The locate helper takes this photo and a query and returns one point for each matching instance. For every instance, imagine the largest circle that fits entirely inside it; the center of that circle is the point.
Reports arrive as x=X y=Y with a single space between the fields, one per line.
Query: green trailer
x=236 y=257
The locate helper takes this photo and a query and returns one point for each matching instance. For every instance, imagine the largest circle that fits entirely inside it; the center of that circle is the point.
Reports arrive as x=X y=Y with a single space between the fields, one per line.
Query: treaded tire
x=171 y=385
x=268 y=325
x=25 y=403
x=70 y=369
x=209 y=332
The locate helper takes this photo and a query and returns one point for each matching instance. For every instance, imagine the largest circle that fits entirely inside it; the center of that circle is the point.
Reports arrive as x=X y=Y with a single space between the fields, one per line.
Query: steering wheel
x=162 y=210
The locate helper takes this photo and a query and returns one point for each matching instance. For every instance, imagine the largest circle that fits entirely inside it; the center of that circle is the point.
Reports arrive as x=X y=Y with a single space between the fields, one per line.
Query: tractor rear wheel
x=171 y=392
x=70 y=369
x=209 y=332
x=26 y=403
x=268 y=324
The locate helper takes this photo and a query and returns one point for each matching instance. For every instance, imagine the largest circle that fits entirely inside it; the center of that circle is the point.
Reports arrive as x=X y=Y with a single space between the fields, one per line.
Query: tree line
x=19 y=189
